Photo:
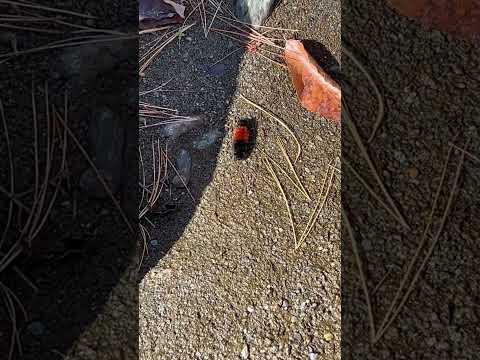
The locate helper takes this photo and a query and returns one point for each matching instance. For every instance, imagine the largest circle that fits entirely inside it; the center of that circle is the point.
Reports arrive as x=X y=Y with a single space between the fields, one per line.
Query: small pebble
x=183 y=166
x=328 y=337
x=312 y=356
x=412 y=172
x=245 y=354
x=36 y=328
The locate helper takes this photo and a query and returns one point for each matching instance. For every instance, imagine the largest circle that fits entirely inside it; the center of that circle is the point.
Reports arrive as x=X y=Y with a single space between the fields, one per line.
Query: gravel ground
x=430 y=85
x=224 y=281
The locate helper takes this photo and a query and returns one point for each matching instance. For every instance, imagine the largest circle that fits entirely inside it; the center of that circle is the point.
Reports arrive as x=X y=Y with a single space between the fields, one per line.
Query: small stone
x=91 y=185
x=253 y=12
x=178 y=128
x=412 y=172
x=154 y=242
x=9 y=38
x=312 y=356
x=250 y=309
x=328 y=337
x=106 y=131
x=207 y=140
x=245 y=354
x=217 y=70
x=399 y=156
x=183 y=165
x=303 y=305
x=36 y=328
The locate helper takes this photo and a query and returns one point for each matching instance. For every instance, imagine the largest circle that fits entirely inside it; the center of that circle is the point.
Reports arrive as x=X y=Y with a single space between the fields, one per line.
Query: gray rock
x=36 y=328
x=245 y=354
x=207 y=139
x=180 y=127
x=253 y=11
x=183 y=164
x=217 y=70
x=83 y=64
x=107 y=138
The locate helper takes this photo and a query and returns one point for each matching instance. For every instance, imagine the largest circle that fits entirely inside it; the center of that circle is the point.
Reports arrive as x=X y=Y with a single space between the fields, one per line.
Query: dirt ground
x=429 y=83
x=84 y=247
x=223 y=279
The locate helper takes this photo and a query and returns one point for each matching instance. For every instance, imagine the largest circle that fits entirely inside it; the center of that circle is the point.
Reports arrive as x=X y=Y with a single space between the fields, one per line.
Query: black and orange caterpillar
x=243 y=137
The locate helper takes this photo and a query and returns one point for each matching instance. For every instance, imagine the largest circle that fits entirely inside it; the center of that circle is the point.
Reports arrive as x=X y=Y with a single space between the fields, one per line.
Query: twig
x=99 y=39
x=12 y=175
x=292 y=169
x=284 y=172
x=371 y=191
x=382 y=280
x=381 y=106
x=97 y=173
x=284 y=196
x=181 y=179
x=281 y=122
x=436 y=238
x=469 y=154
x=46 y=8
x=356 y=136
x=363 y=280
x=317 y=210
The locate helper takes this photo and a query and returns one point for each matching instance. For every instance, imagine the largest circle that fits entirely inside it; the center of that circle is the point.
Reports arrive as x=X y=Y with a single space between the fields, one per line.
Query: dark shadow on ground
x=85 y=245
x=426 y=81
x=204 y=82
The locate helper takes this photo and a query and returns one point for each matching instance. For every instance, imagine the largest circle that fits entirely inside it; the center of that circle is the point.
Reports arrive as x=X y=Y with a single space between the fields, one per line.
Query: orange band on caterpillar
x=241 y=134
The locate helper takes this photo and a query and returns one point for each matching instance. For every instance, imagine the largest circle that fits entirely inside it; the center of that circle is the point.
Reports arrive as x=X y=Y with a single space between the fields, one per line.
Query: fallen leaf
x=460 y=18
x=316 y=91
x=154 y=13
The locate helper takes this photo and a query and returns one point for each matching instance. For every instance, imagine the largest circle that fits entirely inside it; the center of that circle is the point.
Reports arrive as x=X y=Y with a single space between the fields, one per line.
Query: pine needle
x=284 y=196
x=279 y=121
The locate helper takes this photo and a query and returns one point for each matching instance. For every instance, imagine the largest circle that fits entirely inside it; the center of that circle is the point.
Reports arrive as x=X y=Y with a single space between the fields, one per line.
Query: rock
x=155 y=13
x=412 y=172
x=36 y=328
x=107 y=137
x=207 y=139
x=328 y=337
x=183 y=164
x=253 y=11
x=316 y=90
x=10 y=39
x=217 y=70
x=83 y=64
x=91 y=185
x=177 y=128
x=312 y=356
x=245 y=354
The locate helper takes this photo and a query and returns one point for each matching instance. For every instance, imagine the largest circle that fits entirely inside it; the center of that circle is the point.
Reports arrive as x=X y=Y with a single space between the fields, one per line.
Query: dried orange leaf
x=316 y=91
x=460 y=18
